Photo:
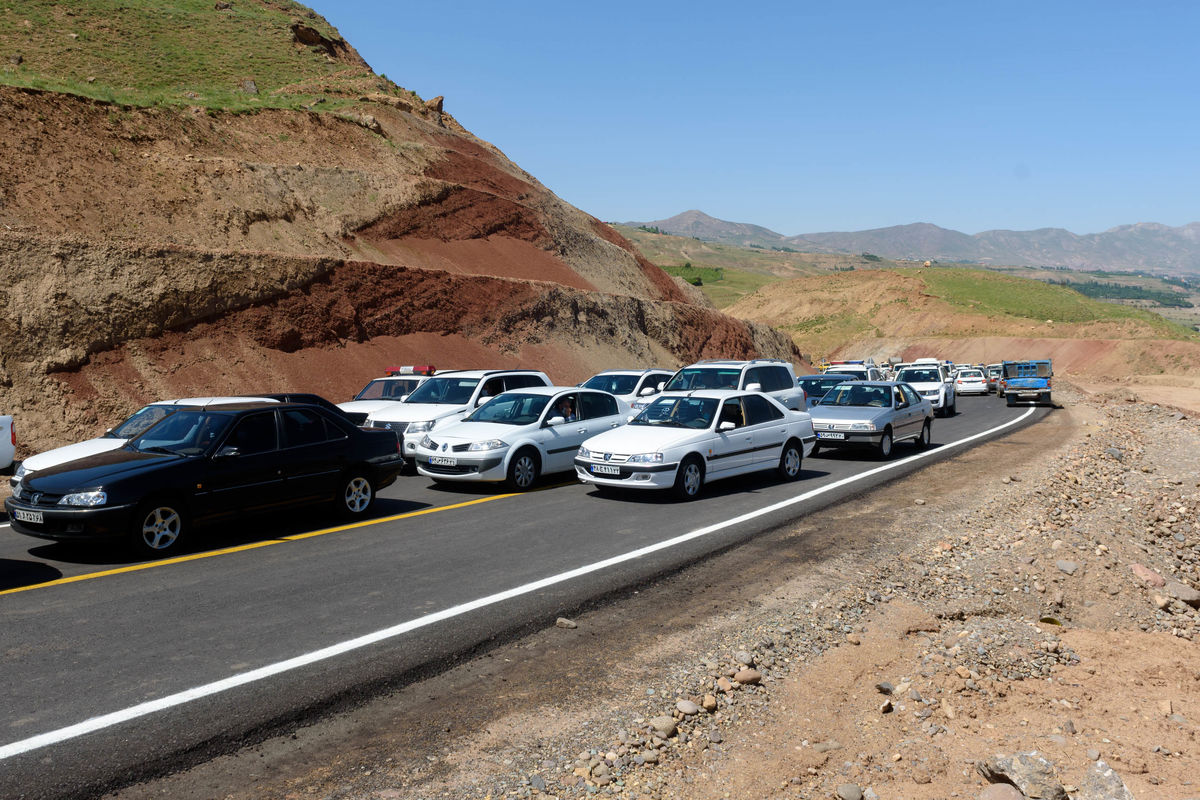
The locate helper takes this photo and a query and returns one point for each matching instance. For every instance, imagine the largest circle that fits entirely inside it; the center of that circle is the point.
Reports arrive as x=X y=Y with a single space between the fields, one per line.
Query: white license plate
x=443 y=461
x=830 y=435
x=605 y=469
x=29 y=516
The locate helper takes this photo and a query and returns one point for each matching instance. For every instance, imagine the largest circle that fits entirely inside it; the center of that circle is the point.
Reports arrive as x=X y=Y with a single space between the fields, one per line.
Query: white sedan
x=517 y=436
x=685 y=439
x=970 y=381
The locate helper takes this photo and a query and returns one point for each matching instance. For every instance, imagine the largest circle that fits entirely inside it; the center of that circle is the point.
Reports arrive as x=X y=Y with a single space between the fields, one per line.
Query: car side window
x=594 y=404
x=760 y=409
x=731 y=411
x=753 y=375
x=254 y=434
x=492 y=387
x=910 y=394
x=520 y=382
x=301 y=427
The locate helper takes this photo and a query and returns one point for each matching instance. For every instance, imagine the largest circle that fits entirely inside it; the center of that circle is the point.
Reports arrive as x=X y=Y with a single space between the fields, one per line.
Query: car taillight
x=12 y=431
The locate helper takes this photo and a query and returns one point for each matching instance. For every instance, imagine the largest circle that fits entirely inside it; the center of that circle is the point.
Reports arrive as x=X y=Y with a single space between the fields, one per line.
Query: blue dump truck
x=1025 y=380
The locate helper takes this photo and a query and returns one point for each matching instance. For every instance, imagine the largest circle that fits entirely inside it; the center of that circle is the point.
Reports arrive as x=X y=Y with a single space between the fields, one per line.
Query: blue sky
x=807 y=117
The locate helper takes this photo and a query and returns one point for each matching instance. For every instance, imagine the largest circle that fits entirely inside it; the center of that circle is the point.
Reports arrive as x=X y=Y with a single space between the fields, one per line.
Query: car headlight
x=20 y=473
x=17 y=490
x=584 y=452
x=85 y=499
x=646 y=458
x=639 y=405
x=421 y=427
x=490 y=444
x=426 y=442
x=862 y=426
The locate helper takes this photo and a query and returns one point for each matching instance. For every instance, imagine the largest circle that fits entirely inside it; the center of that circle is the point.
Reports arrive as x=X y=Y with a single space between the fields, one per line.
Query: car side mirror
x=660 y=386
x=482 y=399
x=555 y=421
x=649 y=390
x=228 y=451
x=403 y=397
x=726 y=426
x=753 y=387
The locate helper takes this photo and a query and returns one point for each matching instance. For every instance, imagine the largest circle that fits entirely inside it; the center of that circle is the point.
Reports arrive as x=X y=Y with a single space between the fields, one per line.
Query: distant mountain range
x=1143 y=246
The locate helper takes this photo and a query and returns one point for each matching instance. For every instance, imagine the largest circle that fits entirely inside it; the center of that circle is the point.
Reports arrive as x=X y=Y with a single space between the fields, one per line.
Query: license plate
x=443 y=461
x=29 y=516
x=605 y=469
x=830 y=435
x=1030 y=395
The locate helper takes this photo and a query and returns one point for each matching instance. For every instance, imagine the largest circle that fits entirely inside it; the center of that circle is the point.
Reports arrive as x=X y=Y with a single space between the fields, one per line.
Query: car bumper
x=70 y=524
x=633 y=476
x=466 y=467
x=849 y=438
x=982 y=389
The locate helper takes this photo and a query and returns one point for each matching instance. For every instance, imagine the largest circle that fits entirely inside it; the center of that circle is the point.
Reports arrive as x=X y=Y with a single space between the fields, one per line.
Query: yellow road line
x=254 y=545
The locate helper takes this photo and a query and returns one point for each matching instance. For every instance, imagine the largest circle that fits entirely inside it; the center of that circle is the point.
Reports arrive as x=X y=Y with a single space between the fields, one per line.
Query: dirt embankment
x=163 y=252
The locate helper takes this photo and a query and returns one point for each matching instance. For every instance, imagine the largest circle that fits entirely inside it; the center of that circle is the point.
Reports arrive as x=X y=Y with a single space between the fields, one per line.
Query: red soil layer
x=496 y=256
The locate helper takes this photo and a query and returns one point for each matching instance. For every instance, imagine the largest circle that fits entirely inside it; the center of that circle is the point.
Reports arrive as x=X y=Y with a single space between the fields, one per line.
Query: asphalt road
x=113 y=671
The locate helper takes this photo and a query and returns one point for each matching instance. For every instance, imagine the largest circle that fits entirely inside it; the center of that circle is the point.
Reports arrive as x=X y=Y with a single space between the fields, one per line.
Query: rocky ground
x=1016 y=622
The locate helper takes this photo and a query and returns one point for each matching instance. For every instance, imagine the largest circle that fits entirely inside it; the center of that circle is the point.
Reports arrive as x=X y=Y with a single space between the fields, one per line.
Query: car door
x=766 y=425
x=731 y=450
x=247 y=468
x=902 y=415
x=915 y=408
x=561 y=442
x=315 y=453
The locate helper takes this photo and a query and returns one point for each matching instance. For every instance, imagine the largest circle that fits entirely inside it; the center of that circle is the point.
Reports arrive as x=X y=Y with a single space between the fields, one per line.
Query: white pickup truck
x=8 y=442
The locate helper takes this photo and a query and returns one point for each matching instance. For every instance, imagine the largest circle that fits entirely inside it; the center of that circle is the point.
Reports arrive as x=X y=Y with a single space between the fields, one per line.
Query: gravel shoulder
x=1031 y=594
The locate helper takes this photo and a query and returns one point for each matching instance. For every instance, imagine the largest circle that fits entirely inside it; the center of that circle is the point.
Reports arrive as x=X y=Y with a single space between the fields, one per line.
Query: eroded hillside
x=175 y=250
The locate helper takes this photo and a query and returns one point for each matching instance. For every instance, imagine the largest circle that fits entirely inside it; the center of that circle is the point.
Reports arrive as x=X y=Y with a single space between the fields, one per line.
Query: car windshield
x=388 y=389
x=704 y=378
x=613 y=384
x=141 y=421
x=919 y=376
x=444 y=391
x=858 y=394
x=679 y=412
x=511 y=408
x=816 y=387
x=973 y=374
x=186 y=433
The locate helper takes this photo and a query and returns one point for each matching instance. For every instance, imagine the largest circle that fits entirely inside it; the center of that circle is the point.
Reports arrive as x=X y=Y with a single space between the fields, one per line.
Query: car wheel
x=816 y=450
x=523 y=470
x=356 y=495
x=1009 y=400
x=157 y=528
x=954 y=406
x=885 y=444
x=689 y=478
x=926 y=435
x=790 y=460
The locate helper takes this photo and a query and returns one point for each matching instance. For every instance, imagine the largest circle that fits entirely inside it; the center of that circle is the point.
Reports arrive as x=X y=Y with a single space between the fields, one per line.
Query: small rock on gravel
x=1181 y=591
x=1001 y=791
x=1069 y=567
x=1101 y=783
x=849 y=791
x=687 y=708
x=664 y=727
x=563 y=622
x=747 y=676
x=1029 y=772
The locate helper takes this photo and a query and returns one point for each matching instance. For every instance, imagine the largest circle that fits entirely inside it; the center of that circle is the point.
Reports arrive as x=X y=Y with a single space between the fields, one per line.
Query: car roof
x=715 y=394
x=827 y=375
x=201 y=402
x=549 y=390
x=632 y=371
x=484 y=373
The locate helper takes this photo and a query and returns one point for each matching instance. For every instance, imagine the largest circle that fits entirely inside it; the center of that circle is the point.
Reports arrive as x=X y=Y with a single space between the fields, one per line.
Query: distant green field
x=722 y=286
x=180 y=52
x=989 y=293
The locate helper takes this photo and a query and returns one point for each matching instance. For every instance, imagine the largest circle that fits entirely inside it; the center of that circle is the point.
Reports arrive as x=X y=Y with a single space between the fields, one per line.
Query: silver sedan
x=873 y=414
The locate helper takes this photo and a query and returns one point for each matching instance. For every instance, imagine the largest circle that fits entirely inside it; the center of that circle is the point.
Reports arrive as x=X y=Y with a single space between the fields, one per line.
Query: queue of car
x=176 y=464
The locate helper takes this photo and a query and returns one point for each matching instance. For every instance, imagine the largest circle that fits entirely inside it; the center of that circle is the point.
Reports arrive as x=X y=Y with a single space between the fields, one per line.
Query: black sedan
x=201 y=465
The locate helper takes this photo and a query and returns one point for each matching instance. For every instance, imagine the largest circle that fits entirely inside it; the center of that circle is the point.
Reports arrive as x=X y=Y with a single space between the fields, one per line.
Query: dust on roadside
x=902 y=645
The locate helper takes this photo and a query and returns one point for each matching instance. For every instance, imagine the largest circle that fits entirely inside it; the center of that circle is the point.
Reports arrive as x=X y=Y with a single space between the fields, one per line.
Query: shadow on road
x=15 y=574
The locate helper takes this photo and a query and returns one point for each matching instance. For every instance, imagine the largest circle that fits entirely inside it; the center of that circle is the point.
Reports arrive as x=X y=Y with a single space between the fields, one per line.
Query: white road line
x=187 y=696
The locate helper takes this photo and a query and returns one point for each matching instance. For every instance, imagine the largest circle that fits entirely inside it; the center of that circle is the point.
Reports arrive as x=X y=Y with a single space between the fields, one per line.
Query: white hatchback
x=683 y=440
x=517 y=436
x=135 y=425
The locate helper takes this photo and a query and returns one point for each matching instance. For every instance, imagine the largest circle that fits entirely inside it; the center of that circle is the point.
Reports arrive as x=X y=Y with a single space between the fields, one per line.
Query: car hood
x=416 y=412
x=71 y=452
x=460 y=432
x=100 y=469
x=825 y=414
x=642 y=439
x=367 y=406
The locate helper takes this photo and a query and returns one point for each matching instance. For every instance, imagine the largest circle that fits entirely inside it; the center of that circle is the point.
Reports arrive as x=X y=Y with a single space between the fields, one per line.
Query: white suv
x=931 y=382
x=448 y=397
x=770 y=376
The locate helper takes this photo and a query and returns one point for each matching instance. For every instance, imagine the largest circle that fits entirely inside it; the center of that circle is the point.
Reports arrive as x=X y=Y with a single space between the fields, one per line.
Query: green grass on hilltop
x=186 y=52
x=723 y=286
x=988 y=293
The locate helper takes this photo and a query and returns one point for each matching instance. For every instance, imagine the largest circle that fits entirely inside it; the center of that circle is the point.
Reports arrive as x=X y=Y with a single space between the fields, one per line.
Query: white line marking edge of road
x=180 y=698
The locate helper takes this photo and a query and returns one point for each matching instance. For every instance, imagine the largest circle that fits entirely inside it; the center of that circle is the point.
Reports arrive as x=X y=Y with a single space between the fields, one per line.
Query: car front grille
x=398 y=427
